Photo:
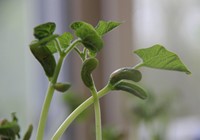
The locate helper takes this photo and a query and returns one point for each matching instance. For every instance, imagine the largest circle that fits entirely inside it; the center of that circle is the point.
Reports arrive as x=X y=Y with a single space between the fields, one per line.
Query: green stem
x=50 y=90
x=47 y=101
x=138 y=66
x=72 y=45
x=78 y=111
x=97 y=111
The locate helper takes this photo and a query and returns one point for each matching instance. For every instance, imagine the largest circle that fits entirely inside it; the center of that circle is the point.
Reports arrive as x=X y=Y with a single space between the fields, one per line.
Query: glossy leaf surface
x=158 y=57
x=105 y=26
x=90 y=38
x=126 y=73
x=131 y=87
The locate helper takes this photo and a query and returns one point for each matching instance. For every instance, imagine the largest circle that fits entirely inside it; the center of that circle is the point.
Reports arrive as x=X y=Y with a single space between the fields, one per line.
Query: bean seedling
x=87 y=42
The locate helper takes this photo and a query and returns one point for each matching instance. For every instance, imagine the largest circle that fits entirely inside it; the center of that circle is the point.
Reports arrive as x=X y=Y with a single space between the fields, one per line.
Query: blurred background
x=171 y=112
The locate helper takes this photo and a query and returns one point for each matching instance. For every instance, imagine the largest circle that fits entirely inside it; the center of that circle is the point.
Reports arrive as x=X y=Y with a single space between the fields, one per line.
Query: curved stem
x=138 y=66
x=58 y=46
x=72 y=45
x=78 y=111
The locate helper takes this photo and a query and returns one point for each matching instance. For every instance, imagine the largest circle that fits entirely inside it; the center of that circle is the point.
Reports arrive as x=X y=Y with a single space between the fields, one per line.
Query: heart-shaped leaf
x=105 y=26
x=126 y=73
x=90 y=38
x=158 y=57
x=44 y=30
x=88 y=66
x=131 y=87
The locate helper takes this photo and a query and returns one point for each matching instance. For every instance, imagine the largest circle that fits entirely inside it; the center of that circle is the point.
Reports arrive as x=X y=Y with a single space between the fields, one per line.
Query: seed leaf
x=44 y=30
x=158 y=57
x=62 y=87
x=105 y=26
x=126 y=73
x=88 y=66
x=90 y=38
x=131 y=87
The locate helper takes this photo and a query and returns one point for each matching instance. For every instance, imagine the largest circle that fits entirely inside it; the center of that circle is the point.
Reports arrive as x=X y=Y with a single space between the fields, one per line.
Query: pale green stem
x=47 y=101
x=78 y=111
x=138 y=66
x=97 y=111
x=50 y=91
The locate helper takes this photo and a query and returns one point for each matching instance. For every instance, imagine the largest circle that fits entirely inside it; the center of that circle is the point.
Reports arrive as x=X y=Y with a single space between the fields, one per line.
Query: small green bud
x=62 y=87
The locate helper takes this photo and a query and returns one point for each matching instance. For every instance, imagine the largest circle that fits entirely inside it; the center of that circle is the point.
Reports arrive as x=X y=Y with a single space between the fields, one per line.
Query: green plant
x=47 y=44
x=9 y=130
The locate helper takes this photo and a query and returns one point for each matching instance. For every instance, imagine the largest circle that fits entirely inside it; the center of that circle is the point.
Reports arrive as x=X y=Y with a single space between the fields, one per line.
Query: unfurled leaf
x=90 y=38
x=158 y=57
x=28 y=133
x=126 y=73
x=105 y=26
x=65 y=39
x=131 y=87
x=88 y=66
x=62 y=87
x=44 y=30
x=45 y=57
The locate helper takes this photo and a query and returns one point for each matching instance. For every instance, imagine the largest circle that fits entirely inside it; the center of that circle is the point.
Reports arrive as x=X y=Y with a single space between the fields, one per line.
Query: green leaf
x=28 y=133
x=131 y=87
x=51 y=46
x=43 y=41
x=126 y=73
x=65 y=39
x=158 y=57
x=44 y=30
x=88 y=66
x=45 y=57
x=105 y=26
x=48 y=42
x=90 y=38
x=62 y=87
